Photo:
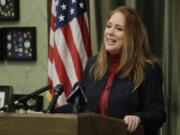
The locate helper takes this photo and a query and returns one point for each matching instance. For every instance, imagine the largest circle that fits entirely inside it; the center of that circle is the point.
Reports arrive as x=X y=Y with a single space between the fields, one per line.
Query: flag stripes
x=69 y=45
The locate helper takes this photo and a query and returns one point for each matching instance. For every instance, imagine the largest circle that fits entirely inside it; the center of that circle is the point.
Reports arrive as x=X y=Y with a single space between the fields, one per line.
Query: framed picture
x=18 y=43
x=2 y=98
x=5 y=95
x=1 y=47
x=34 y=103
x=9 y=10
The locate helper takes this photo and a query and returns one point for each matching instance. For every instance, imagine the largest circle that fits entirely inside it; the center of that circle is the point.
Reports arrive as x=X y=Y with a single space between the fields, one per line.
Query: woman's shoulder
x=90 y=62
x=92 y=59
x=153 y=69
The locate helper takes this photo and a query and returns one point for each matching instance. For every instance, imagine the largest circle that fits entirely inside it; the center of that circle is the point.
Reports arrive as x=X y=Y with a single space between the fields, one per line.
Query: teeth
x=111 y=40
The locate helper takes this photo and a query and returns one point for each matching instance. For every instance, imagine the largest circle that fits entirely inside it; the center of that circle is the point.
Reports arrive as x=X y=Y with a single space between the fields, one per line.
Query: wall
x=26 y=77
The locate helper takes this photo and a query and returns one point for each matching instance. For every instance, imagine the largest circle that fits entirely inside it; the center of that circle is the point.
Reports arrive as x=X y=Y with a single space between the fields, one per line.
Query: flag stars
x=64 y=6
x=72 y=11
x=61 y=18
x=73 y=1
x=66 y=10
x=81 y=4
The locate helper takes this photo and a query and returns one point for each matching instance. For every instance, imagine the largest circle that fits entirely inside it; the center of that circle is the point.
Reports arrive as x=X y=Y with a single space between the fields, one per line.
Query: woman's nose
x=111 y=31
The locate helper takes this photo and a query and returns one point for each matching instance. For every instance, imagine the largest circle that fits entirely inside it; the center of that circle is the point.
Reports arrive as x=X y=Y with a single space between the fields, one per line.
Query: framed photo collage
x=16 y=43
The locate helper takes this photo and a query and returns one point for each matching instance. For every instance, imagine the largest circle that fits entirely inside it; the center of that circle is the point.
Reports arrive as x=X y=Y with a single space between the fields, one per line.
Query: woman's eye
x=120 y=29
x=108 y=26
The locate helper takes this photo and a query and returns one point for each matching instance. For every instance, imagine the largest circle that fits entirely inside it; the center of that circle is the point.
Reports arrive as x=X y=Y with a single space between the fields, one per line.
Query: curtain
x=152 y=13
x=171 y=64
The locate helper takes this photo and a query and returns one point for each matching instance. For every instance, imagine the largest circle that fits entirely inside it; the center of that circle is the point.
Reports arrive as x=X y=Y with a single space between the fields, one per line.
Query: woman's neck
x=114 y=58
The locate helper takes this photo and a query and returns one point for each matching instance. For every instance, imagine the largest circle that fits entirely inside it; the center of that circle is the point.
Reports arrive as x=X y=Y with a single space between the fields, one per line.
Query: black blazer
x=145 y=102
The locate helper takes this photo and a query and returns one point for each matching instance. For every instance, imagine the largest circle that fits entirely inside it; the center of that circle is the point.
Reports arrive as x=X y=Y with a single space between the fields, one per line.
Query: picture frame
x=34 y=103
x=2 y=98
x=1 y=53
x=18 y=43
x=5 y=95
x=9 y=10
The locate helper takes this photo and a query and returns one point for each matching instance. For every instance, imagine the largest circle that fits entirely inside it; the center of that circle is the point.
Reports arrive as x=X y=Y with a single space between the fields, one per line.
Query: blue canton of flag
x=68 y=9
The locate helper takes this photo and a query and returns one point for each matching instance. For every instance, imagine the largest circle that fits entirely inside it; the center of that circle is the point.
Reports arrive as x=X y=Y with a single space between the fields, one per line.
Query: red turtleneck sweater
x=103 y=100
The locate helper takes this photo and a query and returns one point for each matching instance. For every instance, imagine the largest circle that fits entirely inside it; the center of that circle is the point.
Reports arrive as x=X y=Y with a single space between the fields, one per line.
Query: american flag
x=69 y=46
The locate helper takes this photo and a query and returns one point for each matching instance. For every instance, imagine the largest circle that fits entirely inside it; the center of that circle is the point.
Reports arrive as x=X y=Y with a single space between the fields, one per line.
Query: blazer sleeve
x=152 y=114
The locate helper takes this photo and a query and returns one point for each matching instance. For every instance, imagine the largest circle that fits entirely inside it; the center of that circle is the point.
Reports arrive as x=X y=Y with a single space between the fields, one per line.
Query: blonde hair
x=135 y=53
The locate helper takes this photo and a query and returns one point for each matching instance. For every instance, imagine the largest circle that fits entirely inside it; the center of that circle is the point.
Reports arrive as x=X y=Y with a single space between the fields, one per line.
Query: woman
x=125 y=80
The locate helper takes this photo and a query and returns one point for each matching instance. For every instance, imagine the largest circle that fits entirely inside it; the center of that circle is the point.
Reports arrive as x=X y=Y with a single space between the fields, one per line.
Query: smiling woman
x=114 y=36
x=125 y=80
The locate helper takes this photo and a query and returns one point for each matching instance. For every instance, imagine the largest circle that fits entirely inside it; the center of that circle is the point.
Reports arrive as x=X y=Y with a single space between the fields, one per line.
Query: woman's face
x=114 y=35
